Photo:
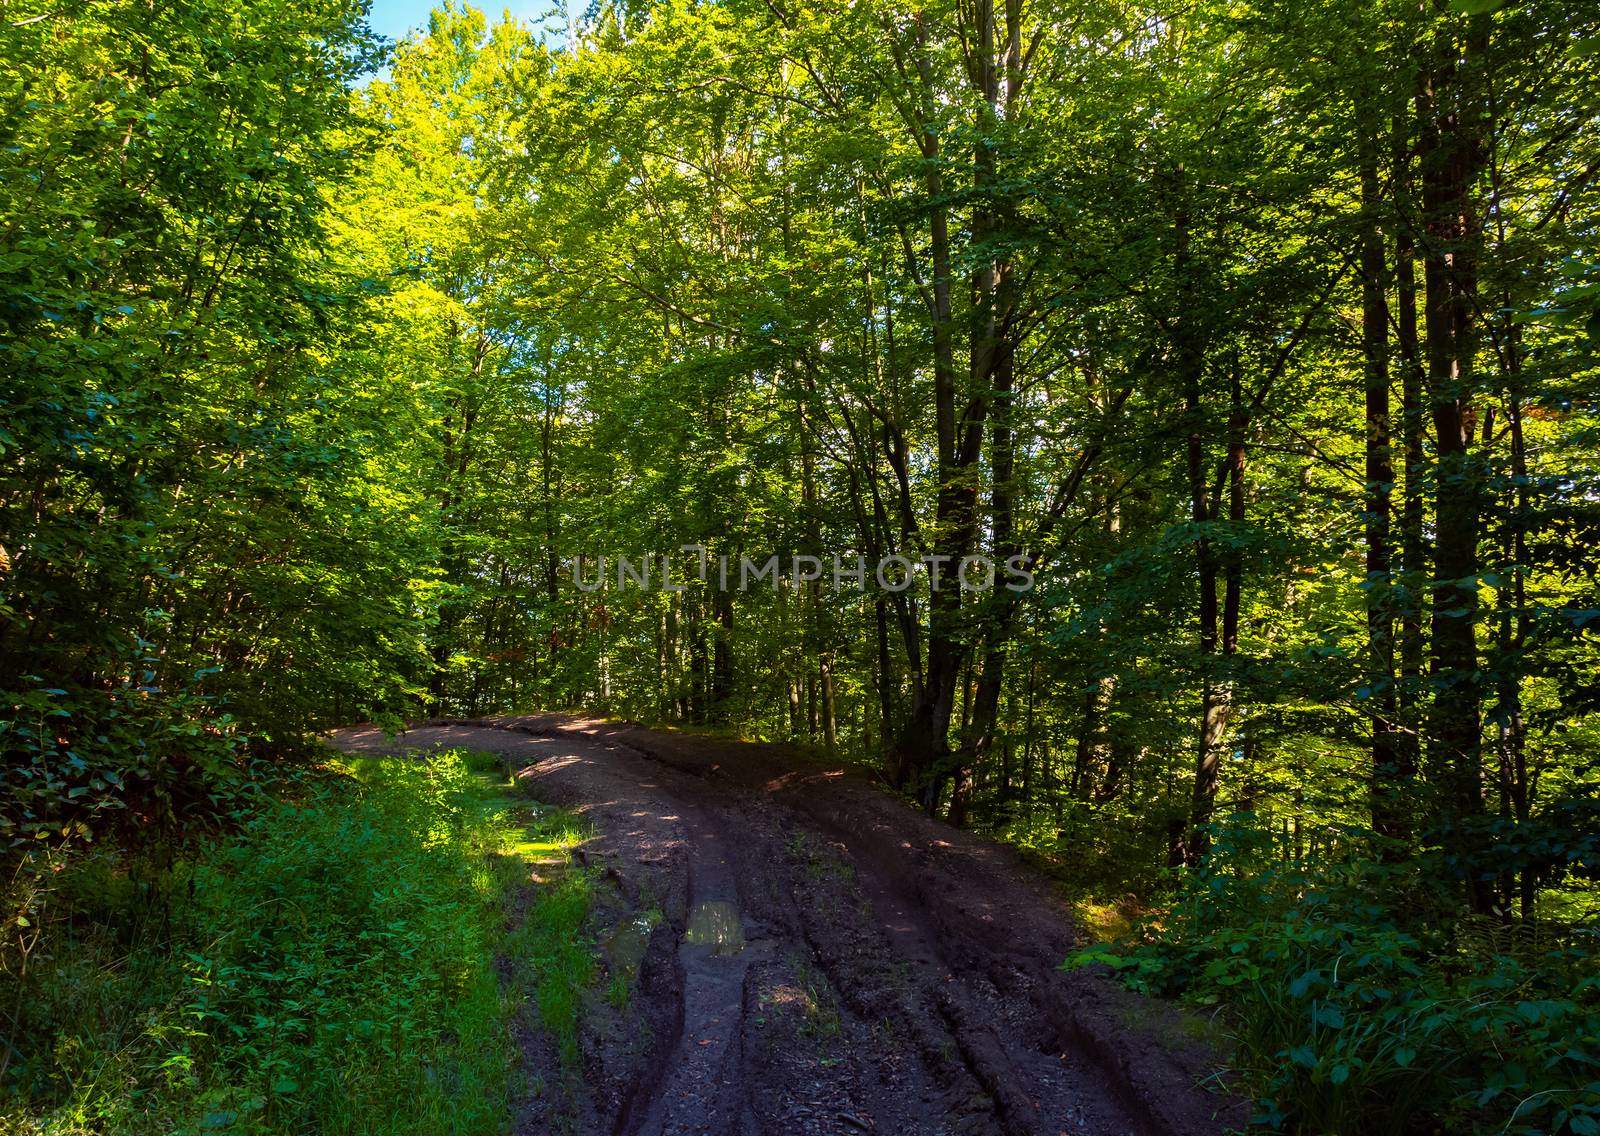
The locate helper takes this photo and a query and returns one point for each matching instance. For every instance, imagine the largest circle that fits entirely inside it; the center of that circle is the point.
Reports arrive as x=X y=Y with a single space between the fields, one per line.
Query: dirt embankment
x=806 y=954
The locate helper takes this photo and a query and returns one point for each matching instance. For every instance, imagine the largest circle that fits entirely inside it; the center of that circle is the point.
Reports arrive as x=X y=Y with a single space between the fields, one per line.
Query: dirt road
x=803 y=954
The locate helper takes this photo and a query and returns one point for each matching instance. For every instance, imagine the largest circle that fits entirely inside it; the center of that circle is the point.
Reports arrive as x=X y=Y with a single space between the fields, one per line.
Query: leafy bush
x=79 y=763
x=329 y=968
x=1349 y=1019
x=356 y=935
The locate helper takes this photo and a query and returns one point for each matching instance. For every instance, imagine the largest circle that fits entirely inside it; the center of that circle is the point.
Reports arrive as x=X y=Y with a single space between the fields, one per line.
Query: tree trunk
x=1388 y=780
x=1414 y=552
x=1450 y=155
x=830 y=725
x=720 y=700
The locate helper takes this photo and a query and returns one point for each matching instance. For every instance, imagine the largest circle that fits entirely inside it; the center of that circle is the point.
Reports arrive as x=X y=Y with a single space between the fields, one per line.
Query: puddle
x=625 y=946
x=716 y=924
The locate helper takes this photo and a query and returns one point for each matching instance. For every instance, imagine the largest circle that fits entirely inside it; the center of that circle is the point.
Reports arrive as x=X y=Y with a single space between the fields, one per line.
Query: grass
x=551 y=952
x=1101 y=921
x=820 y=862
x=822 y=1018
x=330 y=967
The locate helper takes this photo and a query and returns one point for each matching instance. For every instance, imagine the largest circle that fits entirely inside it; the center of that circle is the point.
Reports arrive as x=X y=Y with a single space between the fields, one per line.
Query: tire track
x=829 y=962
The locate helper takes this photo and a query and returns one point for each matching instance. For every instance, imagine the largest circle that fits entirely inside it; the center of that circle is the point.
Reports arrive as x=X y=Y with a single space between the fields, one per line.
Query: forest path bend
x=810 y=956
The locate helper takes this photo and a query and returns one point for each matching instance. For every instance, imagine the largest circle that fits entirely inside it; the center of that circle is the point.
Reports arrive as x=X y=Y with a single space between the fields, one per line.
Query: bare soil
x=895 y=975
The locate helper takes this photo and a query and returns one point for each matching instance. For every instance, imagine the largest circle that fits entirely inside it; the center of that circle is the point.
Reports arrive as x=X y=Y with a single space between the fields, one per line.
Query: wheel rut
x=702 y=1088
x=818 y=958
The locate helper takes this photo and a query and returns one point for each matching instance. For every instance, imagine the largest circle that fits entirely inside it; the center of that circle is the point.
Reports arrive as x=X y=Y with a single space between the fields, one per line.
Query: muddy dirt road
x=804 y=954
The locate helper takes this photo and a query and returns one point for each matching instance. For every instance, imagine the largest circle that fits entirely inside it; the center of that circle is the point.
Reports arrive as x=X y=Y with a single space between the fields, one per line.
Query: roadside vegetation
x=328 y=964
x=1357 y=998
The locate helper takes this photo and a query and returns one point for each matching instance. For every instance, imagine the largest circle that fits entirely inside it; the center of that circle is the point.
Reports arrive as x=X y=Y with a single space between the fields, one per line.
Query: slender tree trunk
x=1514 y=620
x=1388 y=784
x=699 y=684
x=830 y=725
x=1449 y=157
x=1187 y=843
x=928 y=733
x=1082 y=787
x=925 y=741
x=1213 y=689
x=885 y=669
x=1003 y=525
x=720 y=701
x=1027 y=738
x=1515 y=625
x=1414 y=552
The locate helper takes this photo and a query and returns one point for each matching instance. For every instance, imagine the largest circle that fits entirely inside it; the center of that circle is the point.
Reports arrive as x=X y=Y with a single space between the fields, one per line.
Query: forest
x=1163 y=439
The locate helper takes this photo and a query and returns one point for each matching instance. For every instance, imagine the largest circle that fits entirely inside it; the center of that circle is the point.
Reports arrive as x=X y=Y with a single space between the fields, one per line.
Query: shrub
x=1349 y=1019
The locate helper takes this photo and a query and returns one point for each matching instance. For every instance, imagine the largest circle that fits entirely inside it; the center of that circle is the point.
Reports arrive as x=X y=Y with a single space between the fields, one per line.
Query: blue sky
x=394 y=18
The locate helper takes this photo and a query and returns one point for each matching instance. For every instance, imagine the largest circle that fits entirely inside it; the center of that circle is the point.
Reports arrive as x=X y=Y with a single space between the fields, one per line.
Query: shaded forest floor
x=782 y=946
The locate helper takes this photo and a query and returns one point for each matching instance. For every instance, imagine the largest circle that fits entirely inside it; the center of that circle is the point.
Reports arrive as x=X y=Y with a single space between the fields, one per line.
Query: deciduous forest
x=1219 y=382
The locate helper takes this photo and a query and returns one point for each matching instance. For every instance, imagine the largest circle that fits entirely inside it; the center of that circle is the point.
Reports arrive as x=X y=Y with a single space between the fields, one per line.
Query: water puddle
x=625 y=946
x=716 y=924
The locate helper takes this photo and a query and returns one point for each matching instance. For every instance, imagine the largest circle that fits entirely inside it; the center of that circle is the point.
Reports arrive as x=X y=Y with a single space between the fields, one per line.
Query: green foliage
x=1361 y=1001
x=331 y=964
x=83 y=763
x=197 y=525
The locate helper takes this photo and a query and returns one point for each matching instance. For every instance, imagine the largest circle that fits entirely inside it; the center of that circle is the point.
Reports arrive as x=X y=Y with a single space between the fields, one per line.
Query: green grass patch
x=328 y=968
x=551 y=949
x=1106 y=921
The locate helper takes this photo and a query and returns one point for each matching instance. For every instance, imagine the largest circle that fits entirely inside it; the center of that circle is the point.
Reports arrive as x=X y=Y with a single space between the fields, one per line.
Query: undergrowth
x=1361 y=1004
x=329 y=967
